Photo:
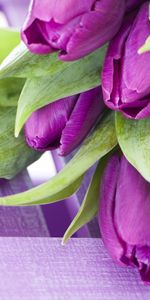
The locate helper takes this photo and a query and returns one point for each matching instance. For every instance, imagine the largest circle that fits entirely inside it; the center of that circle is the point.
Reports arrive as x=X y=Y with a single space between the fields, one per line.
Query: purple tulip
x=75 y=27
x=65 y=123
x=125 y=215
x=126 y=74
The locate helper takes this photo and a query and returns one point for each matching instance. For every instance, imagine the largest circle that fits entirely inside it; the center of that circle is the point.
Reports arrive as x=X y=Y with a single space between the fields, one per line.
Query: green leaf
x=98 y=144
x=75 y=78
x=90 y=204
x=9 y=39
x=22 y=63
x=10 y=89
x=63 y=194
x=145 y=47
x=15 y=155
x=134 y=139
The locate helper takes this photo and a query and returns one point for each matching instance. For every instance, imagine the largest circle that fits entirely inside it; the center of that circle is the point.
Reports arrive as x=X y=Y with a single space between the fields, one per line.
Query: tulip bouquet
x=80 y=80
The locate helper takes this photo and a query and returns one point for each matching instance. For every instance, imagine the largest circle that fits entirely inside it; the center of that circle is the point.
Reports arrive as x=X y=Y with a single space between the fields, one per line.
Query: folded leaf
x=63 y=194
x=134 y=139
x=9 y=39
x=90 y=204
x=22 y=63
x=10 y=89
x=15 y=155
x=98 y=144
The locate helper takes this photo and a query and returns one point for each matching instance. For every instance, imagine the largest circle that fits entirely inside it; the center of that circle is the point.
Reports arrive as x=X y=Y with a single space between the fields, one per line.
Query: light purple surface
x=21 y=221
x=41 y=269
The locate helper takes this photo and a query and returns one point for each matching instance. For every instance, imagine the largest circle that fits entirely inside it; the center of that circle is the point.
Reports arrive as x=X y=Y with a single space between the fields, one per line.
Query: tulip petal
x=35 y=40
x=76 y=30
x=112 y=241
x=143 y=260
x=135 y=80
x=41 y=12
x=84 y=115
x=125 y=87
x=43 y=129
x=60 y=11
x=95 y=29
x=132 y=210
x=58 y=35
x=111 y=74
x=139 y=109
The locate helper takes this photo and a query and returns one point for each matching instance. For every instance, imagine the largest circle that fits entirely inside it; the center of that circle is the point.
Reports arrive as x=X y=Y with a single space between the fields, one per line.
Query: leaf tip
x=64 y=241
x=140 y=50
x=17 y=129
x=16 y=133
x=145 y=47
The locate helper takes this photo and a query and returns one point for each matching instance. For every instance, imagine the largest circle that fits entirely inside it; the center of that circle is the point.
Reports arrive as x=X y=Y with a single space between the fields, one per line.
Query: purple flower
x=65 y=123
x=126 y=74
x=125 y=215
x=75 y=27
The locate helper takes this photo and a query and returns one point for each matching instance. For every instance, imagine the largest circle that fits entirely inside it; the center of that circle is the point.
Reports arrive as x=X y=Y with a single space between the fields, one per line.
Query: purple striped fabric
x=41 y=269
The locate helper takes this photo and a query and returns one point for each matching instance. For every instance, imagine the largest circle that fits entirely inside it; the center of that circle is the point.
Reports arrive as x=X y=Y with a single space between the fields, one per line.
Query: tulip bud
x=74 y=27
x=124 y=216
x=126 y=74
x=65 y=123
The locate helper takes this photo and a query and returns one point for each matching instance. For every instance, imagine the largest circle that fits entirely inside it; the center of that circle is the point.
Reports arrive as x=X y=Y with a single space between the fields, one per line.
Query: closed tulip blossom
x=126 y=74
x=125 y=215
x=75 y=27
x=65 y=123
